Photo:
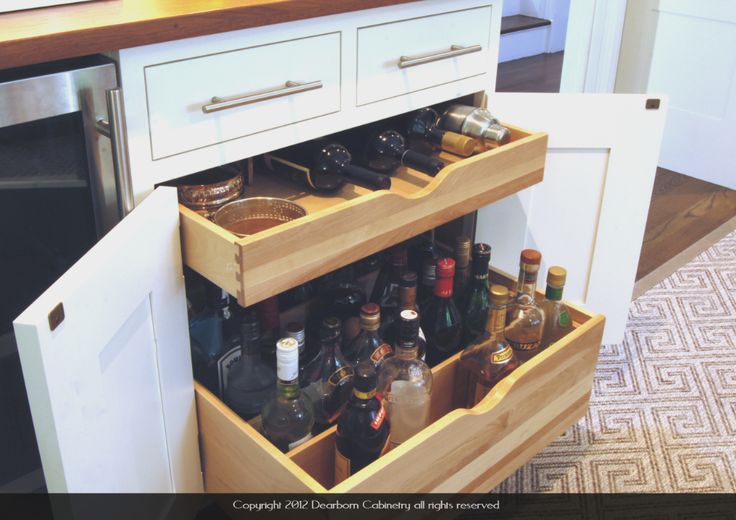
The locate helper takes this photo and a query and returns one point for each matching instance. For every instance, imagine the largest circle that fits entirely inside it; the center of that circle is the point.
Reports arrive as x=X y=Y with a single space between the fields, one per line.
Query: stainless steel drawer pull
x=455 y=50
x=288 y=89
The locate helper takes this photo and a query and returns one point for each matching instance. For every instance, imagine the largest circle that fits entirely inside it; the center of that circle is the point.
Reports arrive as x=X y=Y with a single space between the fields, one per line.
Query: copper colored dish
x=207 y=191
x=246 y=217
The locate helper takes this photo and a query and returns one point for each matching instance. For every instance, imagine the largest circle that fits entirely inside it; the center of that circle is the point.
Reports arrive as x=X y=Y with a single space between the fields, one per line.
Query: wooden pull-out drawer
x=462 y=450
x=355 y=222
x=398 y=58
x=258 y=88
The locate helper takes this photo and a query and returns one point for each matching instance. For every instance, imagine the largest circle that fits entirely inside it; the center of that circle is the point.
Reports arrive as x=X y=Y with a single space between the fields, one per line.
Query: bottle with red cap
x=524 y=318
x=441 y=320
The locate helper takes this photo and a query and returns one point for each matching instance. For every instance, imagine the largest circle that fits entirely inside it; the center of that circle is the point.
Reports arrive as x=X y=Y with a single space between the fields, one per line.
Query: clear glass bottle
x=363 y=429
x=557 y=321
x=405 y=383
x=441 y=321
x=407 y=301
x=524 y=318
x=489 y=358
x=475 y=302
x=288 y=416
x=328 y=378
x=368 y=346
x=250 y=380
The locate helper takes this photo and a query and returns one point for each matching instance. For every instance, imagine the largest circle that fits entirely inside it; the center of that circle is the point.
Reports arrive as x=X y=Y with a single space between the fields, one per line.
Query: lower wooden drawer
x=462 y=450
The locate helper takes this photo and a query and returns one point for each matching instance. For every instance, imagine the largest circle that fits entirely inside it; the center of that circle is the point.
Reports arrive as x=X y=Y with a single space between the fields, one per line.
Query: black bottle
x=363 y=428
x=323 y=166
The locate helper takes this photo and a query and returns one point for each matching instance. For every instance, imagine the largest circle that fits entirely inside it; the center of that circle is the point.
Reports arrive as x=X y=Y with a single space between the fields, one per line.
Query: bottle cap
x=462 y=252
x=287 y=359
x=445 y=268
x=531 y=257
x=556 y=276
x=370 y=316
x=499 y=295
x=481 y=257
x=408 y=326
x=365 y=377
x=330 y=328
x=459 y=144
x=408 y=280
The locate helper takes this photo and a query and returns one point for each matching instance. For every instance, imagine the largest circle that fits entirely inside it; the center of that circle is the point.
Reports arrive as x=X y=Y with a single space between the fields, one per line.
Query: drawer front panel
x=410 y=55
x=277 y=84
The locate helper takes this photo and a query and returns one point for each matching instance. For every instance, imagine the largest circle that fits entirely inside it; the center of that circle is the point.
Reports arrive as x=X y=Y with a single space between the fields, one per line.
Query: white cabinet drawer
x=411 y=55
x=177 y=91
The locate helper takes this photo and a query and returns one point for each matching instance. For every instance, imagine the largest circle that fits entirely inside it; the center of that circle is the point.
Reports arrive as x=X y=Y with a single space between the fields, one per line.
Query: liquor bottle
x=323 y=166
x=342 y=297
x=475 y=301
x=475 y=122
x=288 y=416
x=441 y=320
x=407 y=301
x=328 y=379
x=250 y=380
x=384 y=150
x=462 y=266
x=425 y=291
x=296 y=330
x=425 y=136
x=557 y=322
x=489 y=358
x=268 y=313
x=386 y=289
x=368 y=345
x=363 y=428
x=424 y=248
x=405 y=383
x=214 y=344
x=525 y=319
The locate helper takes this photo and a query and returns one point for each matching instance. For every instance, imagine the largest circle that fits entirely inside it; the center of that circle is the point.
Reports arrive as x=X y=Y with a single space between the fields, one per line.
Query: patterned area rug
x=662 y=416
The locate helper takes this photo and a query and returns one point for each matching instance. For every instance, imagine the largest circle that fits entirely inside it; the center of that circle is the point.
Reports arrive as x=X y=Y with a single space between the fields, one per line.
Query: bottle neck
x=527 y=283
x=496 y=320
x=288 y=389
x=407 y=350
x=407 y=298
x=443 y=287
x=364 y=396
x=554 y=293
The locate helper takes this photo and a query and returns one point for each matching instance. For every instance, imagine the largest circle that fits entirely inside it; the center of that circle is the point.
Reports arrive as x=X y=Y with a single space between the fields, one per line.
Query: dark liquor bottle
x=328 y=378
x=407 y=301
x=287 y=416
x=386 y=289
x=368 y=345
x=425 y=290
x=475 y=302
x=441 y=320
x=214 y=343
x=525 y=319
x=384 y=150
x=462 y=267
x=268 y=313
x=250 y=380
x=324 y=166
x=363 y=428
x=425 y=136
x=422 y=249
x=490 y=358
x=341 y=296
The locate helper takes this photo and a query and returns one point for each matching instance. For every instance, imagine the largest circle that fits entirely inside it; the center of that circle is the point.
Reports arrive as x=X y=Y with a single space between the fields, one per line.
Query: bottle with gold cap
x=557 y=322
x=462 y=267
x=525 y=319
x=490 y=358
x=368 y=345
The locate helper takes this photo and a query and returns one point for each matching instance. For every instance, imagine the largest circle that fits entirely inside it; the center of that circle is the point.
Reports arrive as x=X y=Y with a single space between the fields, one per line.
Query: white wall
x=547 y=39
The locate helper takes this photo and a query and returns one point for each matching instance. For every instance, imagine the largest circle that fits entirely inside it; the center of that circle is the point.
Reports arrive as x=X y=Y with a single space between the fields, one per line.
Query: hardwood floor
x=682 y=210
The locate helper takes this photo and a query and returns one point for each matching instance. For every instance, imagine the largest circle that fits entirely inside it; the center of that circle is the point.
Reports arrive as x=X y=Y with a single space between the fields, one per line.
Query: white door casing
x=590 y=211
x=111 y=389
x=687 y=50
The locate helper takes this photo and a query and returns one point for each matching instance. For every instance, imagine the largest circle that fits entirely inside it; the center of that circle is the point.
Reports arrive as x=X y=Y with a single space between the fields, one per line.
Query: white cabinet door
x=110 y=386
x=590 y=211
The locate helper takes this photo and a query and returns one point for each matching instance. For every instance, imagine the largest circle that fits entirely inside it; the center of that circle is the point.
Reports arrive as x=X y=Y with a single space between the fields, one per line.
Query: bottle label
x=224 y=364
x=378 y=419
x=532 y=345
x=564 y=320
x=340 y=375
x=383 y=350
x=296 y=443
x=553 y=293
x=502 y=356
x=342 y=466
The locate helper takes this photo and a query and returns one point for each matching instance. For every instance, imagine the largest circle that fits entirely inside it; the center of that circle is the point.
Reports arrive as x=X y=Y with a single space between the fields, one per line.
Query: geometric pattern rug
x=662 y=416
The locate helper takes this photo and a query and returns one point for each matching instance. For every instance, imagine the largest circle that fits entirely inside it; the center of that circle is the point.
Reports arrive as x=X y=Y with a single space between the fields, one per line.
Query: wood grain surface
x=52 y=33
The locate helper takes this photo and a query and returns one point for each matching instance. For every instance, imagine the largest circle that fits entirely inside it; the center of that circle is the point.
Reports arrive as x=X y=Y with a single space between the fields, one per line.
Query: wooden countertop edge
x=29 y=37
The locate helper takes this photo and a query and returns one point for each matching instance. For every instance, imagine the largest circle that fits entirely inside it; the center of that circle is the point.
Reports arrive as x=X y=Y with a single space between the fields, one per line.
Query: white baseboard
x=522 y=44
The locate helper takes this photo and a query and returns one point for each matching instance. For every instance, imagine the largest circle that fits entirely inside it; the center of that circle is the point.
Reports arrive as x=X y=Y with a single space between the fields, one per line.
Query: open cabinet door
x=106 y=362
x=590 y=211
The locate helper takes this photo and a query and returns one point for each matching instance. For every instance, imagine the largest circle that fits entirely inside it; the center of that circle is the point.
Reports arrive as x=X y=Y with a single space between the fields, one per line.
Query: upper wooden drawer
x=410 y=55
x=354 y=222
x=271 y=85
